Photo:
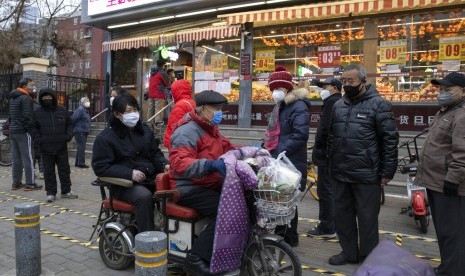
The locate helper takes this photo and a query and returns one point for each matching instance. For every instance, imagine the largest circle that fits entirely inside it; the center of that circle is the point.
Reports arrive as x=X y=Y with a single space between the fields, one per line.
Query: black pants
x=357 y=202
x=449 y=221
x=206 y=202
x=325 y=190
x=62 y=163
x=289 y=233
x=141 y=197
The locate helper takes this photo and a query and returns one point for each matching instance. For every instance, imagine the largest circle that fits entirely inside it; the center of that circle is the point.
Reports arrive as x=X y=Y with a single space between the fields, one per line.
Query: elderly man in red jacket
x=197 y=172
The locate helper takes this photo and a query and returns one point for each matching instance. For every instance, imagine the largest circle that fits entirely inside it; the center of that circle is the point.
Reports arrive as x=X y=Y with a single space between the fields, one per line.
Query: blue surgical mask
x=446 y=99
x=217 y=117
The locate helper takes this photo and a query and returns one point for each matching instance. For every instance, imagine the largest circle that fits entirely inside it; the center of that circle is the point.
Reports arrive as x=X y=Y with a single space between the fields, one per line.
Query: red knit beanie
x=280 y=79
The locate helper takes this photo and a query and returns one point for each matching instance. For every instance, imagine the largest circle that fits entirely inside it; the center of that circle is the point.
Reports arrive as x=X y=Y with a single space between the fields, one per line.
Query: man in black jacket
x=362 y=155
x=330 y=94
x=20 y=135
x=52 y=131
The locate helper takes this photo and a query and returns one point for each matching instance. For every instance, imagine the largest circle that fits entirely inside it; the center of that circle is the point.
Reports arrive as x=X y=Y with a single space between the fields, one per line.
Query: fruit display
x=429 y=93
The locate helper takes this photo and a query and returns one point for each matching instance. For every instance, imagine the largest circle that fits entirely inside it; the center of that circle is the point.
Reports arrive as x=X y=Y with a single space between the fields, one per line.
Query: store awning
x=331 y=10
x=115 y=45
x=138 y=42
x=207 y=33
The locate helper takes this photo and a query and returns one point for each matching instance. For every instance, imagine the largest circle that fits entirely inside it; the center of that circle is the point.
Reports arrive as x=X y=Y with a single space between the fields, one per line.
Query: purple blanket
x=232 y=224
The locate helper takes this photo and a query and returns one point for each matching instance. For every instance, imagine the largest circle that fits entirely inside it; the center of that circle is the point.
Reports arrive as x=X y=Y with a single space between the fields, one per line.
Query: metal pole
x=27 y=239
x=151 y=253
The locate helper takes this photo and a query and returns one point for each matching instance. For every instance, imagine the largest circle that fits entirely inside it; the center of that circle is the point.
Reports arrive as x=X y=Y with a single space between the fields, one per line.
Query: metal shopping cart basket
x=275 y=208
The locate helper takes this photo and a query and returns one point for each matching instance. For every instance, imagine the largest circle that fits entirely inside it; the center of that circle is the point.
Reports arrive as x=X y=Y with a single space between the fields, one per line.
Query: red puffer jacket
x=183 y=104
x=158 y=82
x=192 y=143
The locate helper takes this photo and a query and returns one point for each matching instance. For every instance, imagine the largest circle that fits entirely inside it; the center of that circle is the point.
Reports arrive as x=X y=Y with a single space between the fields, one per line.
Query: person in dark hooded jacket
x=127 y=149
x=362 y=155
x=288 y=131
x=53 y=130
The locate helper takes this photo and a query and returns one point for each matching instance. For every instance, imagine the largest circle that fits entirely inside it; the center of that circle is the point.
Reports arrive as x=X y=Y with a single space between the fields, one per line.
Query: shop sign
x=394 y=51
x=95 y=7
x=219 y=63
x=329 y=56
x=452 y=48
x=264 y=60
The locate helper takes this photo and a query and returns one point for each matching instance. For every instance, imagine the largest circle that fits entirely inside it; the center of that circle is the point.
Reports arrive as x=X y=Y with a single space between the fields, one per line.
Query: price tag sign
x=394 y=51
x=452 y=48
x=264 y=60
x=329 y=56
x=219 y=63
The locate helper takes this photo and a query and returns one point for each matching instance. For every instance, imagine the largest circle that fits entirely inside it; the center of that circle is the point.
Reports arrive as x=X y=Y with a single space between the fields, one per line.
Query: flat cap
x=210 y=97
x=452 y=79
x=331 y=81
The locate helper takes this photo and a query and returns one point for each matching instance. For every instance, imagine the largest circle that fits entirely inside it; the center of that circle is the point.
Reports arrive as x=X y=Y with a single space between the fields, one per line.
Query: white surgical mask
x=278 y=95
x=87 y=104
x=325 y=94
x=130 y=119
x=111 y=100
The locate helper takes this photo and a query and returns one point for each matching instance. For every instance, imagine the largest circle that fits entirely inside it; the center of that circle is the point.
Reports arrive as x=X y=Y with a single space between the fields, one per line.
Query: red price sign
x=264 y=60
x=329 y=56
x=452 y=48
x=394 y=51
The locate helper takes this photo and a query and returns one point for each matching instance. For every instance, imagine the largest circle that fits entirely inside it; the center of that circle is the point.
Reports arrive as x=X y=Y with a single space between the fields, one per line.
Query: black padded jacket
x=363 y=138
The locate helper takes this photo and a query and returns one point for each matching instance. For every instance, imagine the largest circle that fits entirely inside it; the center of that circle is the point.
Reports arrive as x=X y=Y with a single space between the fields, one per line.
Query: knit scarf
x=273 y=129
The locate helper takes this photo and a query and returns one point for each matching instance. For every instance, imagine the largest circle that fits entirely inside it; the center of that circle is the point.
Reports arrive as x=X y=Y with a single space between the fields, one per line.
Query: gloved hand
x=450 y=189
x=215 y=165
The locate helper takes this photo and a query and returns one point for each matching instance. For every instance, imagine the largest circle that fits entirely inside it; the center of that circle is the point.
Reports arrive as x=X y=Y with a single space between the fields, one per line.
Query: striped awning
x=115 y=45
x=207 y=33
x=332 y=9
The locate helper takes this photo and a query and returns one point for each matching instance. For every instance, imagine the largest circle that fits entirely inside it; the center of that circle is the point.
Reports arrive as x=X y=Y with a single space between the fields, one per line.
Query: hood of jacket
x=297 y=94
x=369 y=93
x=181 y=89
x=50 y=92
x=16 y=93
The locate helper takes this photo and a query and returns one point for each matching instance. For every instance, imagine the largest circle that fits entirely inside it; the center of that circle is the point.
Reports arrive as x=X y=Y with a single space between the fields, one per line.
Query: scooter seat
x=119 y=205
x=175 y=210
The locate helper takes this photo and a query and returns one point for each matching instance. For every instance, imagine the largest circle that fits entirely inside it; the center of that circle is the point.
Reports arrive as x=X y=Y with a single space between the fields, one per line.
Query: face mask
x=278 y=95
x=111 y=100
x=352 y=91
x=325 y=94
x=446 y=98
x=130 y=119
x=217 y=117
x=87 y=104
x=47 y=102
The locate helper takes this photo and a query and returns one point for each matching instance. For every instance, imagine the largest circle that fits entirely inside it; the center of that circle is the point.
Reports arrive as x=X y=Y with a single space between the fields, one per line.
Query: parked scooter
x=418 y=199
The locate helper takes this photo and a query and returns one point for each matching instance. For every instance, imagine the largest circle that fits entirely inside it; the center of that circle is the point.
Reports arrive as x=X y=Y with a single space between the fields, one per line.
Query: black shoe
x=32 y=187
x=82 y=166
x=196 y=266
x=318 y=233
x=341 y=259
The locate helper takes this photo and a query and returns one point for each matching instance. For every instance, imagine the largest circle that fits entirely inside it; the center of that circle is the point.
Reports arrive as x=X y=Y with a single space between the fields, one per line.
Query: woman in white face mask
x=127 y=149
x=287 y=131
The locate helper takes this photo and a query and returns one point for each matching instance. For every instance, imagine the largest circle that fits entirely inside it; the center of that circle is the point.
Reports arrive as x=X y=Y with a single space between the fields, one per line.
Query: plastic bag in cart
x=281 y=176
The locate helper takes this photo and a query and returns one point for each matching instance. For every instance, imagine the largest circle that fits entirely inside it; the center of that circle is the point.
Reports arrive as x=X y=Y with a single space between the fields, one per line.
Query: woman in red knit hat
x=288 y=131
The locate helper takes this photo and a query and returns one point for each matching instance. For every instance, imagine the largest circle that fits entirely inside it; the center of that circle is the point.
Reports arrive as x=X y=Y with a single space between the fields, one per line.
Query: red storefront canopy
x=333 y=9
x=207 y=33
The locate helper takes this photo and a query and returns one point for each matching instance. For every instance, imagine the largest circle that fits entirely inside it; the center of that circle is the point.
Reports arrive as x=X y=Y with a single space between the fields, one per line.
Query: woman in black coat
x=127 y=149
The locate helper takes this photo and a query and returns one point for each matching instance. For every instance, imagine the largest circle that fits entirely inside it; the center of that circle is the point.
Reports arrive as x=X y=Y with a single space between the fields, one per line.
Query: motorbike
x=266 y=253
x=418 y=207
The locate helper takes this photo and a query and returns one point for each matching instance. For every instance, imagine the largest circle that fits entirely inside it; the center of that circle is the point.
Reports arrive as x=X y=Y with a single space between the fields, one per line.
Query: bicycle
x=312 y=181
x=5 y=152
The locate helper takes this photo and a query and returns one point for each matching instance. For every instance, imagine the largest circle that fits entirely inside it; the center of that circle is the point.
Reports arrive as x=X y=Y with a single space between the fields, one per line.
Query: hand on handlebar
x=138 y=176
x=216 y=165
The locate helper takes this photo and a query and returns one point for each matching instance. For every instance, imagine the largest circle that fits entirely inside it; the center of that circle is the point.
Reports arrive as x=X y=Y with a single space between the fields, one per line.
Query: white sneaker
x=51 y=198
x=70 y=195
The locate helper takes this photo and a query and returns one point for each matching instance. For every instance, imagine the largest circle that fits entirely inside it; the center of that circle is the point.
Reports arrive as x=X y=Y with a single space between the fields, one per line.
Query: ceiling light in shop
x=241 y=6
x=156 y=19
x=122 y=25
x=195 y=13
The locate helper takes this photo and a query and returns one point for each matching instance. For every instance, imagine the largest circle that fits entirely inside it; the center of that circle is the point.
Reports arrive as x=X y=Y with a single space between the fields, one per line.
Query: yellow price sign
x=451 y=48
x=219 y=63
x=394 y=51
x=264 y=60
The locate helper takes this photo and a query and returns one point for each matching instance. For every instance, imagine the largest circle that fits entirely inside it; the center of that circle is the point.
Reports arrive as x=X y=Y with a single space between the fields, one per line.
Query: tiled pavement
x=67 y=225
